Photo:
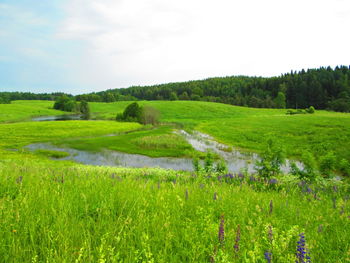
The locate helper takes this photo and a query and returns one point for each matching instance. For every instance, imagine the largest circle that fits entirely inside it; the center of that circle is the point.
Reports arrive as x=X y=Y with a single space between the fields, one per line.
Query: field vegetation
x=90 y=214
x=66 y=212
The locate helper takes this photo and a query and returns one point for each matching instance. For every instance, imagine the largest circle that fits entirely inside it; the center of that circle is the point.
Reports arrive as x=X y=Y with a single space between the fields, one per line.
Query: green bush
x=327 y=163
x=271 y=160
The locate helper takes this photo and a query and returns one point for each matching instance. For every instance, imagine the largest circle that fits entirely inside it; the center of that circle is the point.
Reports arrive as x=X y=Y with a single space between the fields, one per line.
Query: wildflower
x=229 y=176
x=221 y=234
x=273 y=181
x=241 y=176
x=308 y=190
x=270 y=233
x=158 y=185
x=268 y=256
x=302 y=255
x=238 y=238
x=186 y=194
x=215 y=196
x=252 y=178
x=271 y=207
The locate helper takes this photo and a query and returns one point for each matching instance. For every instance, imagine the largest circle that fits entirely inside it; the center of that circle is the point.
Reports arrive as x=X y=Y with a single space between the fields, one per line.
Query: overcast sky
x=80 y=46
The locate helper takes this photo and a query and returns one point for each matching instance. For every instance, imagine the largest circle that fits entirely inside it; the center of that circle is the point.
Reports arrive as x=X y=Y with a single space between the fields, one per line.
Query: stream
x=235 y=160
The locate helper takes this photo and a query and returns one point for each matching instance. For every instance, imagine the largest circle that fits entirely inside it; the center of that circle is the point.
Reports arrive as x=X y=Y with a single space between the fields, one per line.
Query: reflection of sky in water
x=236 y=161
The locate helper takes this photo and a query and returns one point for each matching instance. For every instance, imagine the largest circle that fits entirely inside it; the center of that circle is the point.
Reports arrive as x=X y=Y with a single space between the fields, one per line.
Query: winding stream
x=235 y=160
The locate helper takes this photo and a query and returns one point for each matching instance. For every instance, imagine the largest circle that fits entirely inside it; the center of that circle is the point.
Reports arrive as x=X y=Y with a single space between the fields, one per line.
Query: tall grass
x=92 y=214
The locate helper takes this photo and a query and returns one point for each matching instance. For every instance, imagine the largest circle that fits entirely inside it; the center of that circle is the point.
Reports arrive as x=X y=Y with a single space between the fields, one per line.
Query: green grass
x=23 y=110
x=14 y=136
x=245 y=128
x=89 y=214
x=64 y=212
x=154 y=143
x=249 y=128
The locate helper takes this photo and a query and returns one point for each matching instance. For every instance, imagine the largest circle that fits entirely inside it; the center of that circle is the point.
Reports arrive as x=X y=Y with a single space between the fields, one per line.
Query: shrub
x=149 y=115
x=310 y=110
x=65 y=103
x=309 y=171
x=271 y=160
x=144 y=115
x=327 y=163
x=344 y=167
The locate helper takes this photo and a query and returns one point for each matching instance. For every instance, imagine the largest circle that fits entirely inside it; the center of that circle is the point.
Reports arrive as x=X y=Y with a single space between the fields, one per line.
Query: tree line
x=322 y=88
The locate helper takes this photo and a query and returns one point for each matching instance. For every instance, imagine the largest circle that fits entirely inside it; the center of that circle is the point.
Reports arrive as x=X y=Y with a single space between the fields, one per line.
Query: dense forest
x=323 y=88
x=7 y=97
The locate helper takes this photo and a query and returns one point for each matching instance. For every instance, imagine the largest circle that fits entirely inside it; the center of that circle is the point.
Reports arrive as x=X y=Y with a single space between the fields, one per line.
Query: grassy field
x=25 y=110
x=249 y=128
x=154 y=143
x=65 y=212
x=52 y=213
x=245 y=128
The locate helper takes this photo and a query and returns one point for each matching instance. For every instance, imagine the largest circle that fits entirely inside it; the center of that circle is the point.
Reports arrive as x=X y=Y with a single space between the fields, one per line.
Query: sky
x=81 y=46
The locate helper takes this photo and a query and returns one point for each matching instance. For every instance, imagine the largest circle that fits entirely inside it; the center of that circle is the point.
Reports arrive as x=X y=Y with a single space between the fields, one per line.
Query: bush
x=310 y=110
x=144 y=115
x=327 y=163
x=271 y=160
x=64 y=103
x=149 y=115
x=309 y=172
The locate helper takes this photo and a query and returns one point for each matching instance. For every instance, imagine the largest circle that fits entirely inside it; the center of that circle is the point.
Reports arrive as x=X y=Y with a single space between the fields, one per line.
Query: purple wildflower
x=221 y=234
x=215 y=196
x=240 y=175
x=238 y=238
x=229 y=176
x=186 y=194
x=273 y=181
x=219 y=178
x=268 y=256
x=302 y=255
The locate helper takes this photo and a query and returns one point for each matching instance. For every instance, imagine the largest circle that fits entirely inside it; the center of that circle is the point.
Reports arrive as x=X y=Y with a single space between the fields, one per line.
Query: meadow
x=52 y=213
x=248 y=129
x=66 y=212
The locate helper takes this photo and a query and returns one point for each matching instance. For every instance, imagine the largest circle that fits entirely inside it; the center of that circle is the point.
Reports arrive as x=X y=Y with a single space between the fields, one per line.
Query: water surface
x=235 y=160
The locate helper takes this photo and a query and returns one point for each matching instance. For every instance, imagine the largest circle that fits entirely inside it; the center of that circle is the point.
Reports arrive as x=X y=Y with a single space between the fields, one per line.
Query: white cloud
x=129 y=42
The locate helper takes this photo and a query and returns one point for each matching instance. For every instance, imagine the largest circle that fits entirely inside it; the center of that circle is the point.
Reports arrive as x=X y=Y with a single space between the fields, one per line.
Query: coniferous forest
x=323 y=88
